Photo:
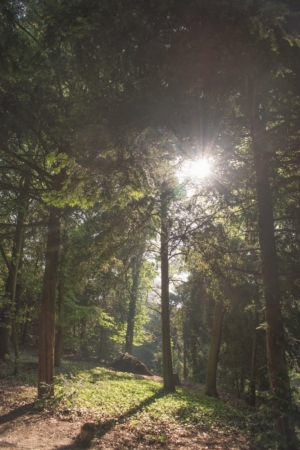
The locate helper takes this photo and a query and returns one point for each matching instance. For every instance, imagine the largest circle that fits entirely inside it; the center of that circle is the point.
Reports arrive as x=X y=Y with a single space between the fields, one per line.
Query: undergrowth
x=118 y=396
x=108 y=397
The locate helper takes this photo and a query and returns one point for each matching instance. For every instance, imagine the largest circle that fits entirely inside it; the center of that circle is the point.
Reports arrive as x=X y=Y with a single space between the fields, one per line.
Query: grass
x=110 y=395
x=109 y=398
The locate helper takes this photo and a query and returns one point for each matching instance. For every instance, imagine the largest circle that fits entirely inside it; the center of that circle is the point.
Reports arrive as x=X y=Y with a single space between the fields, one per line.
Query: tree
x=136 y=262
x=168 y=377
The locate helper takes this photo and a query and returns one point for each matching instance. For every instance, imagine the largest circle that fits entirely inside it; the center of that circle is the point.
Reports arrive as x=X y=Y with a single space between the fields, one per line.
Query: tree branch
x=6 y=260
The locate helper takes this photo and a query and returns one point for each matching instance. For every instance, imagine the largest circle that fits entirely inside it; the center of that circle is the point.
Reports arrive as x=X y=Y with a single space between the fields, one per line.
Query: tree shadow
x=18 y=412
x=105 y=427
x=6 y=444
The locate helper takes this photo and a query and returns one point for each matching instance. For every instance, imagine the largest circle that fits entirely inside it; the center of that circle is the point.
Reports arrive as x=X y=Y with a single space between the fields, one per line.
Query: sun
x=200 y=168
x=194 y=170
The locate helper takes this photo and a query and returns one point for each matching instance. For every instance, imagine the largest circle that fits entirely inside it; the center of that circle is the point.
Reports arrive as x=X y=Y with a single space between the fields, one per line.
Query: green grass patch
x=110 y=397
x=117 y=396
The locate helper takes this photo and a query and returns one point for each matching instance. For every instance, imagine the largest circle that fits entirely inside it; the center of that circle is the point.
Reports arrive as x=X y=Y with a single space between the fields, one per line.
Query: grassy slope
x=113 y=399
x=110 y=395
x=110 y=398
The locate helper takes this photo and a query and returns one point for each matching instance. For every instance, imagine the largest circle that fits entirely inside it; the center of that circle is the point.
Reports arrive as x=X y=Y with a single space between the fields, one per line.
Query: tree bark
x=168 y=378
x=184 y=359
x=277 y=365
x=4 y=331
x=212 y=364
x=25 y=329
x=132 y=303
x=254 y=352
x=7 y=314
x=47 y=315
x=60 y=325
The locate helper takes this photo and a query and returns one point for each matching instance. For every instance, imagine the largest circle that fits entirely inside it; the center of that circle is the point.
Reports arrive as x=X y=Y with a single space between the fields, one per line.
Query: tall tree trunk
x=184 y=358
x=7 y=314
x=194 y=355
x=212 y=364
x=237 y=384
x=17 y=254
x=4 y=330
x=254 y=352
x=25 y=329
x=168 y=378
x=136 y=268
x=60 y=325
x=277 y=365
x=47 y=315
x=61 y=320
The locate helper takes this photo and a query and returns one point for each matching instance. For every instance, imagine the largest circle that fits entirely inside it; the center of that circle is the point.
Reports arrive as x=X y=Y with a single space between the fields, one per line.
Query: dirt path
x=34 y=431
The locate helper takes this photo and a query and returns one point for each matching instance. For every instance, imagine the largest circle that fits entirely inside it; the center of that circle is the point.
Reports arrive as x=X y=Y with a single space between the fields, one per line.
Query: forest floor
x=128 y=412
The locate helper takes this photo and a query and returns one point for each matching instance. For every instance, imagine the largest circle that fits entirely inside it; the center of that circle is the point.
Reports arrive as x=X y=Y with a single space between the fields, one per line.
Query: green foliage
x=262 y=420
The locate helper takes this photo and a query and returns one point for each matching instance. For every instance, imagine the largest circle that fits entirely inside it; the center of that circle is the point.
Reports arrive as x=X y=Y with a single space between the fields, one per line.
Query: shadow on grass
x=105 y=427
x=196 y=407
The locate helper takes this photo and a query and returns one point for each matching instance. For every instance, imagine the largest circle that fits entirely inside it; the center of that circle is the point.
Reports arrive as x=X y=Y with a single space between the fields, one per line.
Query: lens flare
x=196 y=169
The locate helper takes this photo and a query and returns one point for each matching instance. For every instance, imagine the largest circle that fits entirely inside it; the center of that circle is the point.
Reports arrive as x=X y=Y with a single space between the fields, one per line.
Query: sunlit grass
x=115 y=395
x=107 y=397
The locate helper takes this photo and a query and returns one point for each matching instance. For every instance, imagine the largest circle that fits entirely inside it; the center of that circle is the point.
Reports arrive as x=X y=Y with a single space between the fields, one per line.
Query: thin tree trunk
x=168 y=378
x=19 y=241
x=242 y=382
x=253 y=356
x=212 y=364
x=277 y=365
x=237 y=385
x=130 y=325
x=4 y=331
x=25 y=329
x=7 y=315
x=132 y=303
x=193 y=353
x=184 y=359
x=83 y=329
x=60 y=325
